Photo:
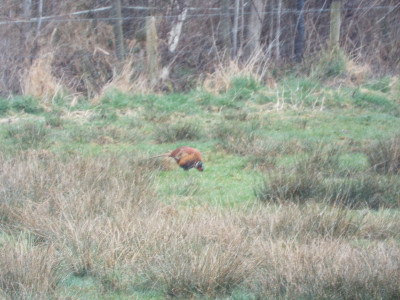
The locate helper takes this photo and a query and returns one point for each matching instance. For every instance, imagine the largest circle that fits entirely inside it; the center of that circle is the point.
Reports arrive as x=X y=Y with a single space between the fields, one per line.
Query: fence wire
x=70 y=17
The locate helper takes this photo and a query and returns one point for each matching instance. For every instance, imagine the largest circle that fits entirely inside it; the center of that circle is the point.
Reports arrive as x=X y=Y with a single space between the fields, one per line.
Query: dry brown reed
x=40 y=82
x=129 y=81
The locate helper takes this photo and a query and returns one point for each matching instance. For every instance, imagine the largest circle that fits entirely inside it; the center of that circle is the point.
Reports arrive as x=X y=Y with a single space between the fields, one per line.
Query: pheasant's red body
x=186 y=157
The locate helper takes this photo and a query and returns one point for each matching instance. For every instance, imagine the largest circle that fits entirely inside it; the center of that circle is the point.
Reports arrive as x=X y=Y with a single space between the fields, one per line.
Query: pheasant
x=186 y=157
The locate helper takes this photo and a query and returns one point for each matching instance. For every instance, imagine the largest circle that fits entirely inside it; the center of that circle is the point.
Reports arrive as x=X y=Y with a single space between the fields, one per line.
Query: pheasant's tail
x=160 y=155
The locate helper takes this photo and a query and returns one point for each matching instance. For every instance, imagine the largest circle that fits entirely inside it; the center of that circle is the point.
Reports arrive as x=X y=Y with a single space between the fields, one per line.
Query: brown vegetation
x=98 y=217
x=76 y=52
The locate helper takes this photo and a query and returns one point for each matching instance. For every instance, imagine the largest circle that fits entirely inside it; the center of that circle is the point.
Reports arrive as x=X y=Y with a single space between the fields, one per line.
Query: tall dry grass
x=384 y=155
x=64 y=217
x=28 y=270
x=38 y=81
x=220 y=80
x=326 y=269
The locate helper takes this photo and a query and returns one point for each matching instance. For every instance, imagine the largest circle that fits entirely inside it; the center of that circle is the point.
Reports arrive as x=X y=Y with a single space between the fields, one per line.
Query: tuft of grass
x=196 y=259
x=287 y=185
x=299 y=92
x=102 y=135
x=194 y=271
x=359 y=192
x=243 y=88
x=28 y=270
x=380 y=85
x=384 y=155
x=54 y=119
x=29 y=134
x=178 y=132
x=4 y=106
x=116 y=99
x=317 y=177
x=331 y=65
x=377 y=99
x=26 y=104
x=185 y=188
x=302 y=181
x=244 y=76
x=106 y=114
x=290 y=275
x=238 y=138
x=83 y=134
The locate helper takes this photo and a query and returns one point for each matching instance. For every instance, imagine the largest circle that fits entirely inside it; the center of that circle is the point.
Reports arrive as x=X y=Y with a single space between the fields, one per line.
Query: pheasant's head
x=199 y=166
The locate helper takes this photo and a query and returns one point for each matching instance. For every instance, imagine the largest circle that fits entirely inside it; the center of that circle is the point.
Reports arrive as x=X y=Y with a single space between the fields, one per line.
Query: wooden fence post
x=225 y=26
x=300 y=32
x=152 y=55
x=117 y=27
x=334 y=36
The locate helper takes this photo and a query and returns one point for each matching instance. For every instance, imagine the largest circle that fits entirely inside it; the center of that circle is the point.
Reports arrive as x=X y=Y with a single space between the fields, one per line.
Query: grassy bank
x=299 y=197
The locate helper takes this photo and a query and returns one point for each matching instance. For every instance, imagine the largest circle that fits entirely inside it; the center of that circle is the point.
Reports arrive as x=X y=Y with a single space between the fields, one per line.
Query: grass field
x=299 y=198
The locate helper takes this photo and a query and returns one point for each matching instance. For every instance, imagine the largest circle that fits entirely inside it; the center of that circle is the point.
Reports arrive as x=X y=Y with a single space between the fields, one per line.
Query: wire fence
x=217 y=13
x=77 y=47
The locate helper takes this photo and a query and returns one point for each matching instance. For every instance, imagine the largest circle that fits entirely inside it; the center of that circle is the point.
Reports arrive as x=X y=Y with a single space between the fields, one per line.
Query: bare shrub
x=83 y=46
x=83 y=70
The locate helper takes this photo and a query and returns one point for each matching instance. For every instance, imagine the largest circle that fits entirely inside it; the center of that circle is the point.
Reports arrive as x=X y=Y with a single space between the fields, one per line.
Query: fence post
x=225 y=26
x=27 y=28
x=254 y=28
x=300 y=30
x=335 y=26
x=117 y=27
x=278 y=31
x=235 y=30
x=152 y=48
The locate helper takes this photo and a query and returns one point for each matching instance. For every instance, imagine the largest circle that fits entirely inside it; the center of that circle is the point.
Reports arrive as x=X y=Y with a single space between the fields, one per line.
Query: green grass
x=4 y=106
x=224 y=182
x=26 y=135
x=380 y=84
x=25 y=104
x=330 y=65
x=376 y=100
x=290 y=174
